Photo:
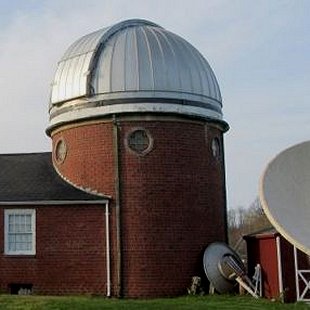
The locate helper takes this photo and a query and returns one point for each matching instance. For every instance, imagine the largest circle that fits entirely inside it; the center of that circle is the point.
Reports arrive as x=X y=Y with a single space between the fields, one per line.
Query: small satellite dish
x=224 y=269
x=285 y=194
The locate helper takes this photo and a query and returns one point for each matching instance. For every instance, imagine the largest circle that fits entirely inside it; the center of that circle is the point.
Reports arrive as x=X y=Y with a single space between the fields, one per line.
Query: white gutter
x=53 y=202
x=108 y=255
x=279 y=263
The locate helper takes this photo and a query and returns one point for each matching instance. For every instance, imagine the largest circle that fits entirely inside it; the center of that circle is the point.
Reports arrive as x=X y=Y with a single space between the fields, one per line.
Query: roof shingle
x=32 y=177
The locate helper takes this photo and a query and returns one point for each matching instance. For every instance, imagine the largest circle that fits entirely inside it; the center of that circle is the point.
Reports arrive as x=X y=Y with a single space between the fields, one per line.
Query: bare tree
x=242 y=221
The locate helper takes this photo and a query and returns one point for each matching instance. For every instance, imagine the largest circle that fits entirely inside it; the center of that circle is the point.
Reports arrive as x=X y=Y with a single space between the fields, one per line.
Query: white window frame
x=9 y=212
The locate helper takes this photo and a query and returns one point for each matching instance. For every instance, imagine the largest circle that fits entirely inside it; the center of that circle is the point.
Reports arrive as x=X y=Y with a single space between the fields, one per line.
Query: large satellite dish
x=285 y=194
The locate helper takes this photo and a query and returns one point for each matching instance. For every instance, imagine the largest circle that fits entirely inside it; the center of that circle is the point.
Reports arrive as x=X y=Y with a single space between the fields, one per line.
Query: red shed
x=276 y=257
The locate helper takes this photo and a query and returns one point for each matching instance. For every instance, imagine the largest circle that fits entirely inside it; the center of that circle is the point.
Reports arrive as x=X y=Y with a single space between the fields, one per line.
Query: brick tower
x=136 y=115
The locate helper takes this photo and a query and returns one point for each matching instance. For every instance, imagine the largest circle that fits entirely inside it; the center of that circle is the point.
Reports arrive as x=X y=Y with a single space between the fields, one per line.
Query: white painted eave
x=54 y=202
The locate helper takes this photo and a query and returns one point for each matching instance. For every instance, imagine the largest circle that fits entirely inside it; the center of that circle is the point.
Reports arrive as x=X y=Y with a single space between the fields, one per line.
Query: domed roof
x=133 y=66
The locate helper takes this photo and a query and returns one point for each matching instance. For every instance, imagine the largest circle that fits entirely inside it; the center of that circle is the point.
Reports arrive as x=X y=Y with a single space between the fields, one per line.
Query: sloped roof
x=32 y=178
x=262 y=233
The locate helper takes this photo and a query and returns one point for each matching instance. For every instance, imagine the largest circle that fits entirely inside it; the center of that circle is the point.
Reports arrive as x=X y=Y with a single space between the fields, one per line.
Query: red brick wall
x=70 y=252
x=173 y=206
x=172 y=199
x=89 y=161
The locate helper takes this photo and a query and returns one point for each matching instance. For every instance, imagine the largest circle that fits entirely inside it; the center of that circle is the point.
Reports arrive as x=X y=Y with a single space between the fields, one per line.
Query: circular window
x=140 y=141
x=215 y=147
x=60 y=151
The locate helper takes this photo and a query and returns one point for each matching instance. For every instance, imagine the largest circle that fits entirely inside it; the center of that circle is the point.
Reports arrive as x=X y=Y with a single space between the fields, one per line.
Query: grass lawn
x=187 y=302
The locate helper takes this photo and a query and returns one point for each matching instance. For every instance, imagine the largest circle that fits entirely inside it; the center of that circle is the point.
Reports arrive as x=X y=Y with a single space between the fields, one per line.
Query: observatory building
x=134 y=189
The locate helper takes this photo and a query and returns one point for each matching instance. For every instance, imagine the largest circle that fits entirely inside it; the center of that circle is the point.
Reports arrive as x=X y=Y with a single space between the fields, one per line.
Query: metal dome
x=133 y=66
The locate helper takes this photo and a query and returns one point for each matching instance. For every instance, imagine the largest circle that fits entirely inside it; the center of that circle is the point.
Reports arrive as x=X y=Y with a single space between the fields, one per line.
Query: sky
x=258 y=49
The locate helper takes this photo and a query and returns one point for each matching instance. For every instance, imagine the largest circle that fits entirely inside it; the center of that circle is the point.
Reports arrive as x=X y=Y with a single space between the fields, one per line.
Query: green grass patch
x=187 y=302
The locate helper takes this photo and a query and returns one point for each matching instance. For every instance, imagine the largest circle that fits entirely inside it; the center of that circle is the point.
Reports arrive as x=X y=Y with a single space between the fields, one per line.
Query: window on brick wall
x=216 y=148
x=19 y=236
x=60 y=152
x=140 y=141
